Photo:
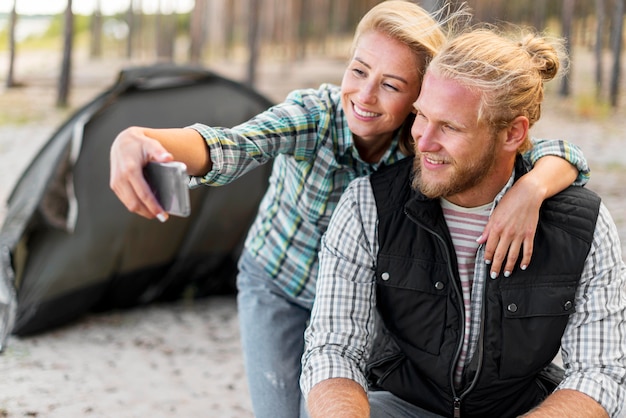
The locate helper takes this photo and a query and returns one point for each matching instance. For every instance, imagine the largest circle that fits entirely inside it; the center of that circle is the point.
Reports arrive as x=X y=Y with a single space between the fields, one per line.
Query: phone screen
x=170 y=184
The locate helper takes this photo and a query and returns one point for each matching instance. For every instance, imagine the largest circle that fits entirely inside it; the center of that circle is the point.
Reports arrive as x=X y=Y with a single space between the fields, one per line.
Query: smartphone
x=170 y=184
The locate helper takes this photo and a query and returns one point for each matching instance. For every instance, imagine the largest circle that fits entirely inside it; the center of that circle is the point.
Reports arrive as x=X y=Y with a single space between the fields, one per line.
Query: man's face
x=455 y=152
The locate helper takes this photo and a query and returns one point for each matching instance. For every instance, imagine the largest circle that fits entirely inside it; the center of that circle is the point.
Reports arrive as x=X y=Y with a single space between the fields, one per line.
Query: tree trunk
x=539 y=14
x=95 y=46
x=130 y=22
x=66 y=64
x=197 y=32
x=253 y=44
x=230 y=26
x=302 y=39
x=341 y=17
x=599 y=46
x=616 y=48
x=165 y=31
x=12 y=46
x=567 y=18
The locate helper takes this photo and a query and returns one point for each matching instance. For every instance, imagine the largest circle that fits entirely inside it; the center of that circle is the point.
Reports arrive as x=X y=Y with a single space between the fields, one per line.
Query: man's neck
x=486 y=191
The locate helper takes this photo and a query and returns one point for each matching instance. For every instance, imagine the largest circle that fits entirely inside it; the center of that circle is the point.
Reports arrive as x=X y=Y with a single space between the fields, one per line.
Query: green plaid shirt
x=314 y=156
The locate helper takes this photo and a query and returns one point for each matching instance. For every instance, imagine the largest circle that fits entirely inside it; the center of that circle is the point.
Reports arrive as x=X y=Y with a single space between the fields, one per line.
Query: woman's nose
x=367 y=92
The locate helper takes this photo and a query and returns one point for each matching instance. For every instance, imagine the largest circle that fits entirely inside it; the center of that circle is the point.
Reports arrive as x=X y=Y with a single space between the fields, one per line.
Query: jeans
x=272 y=336
x=385 y=405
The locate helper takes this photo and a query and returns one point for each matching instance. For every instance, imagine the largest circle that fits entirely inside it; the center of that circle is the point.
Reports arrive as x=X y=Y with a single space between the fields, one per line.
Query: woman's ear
x=516 y=133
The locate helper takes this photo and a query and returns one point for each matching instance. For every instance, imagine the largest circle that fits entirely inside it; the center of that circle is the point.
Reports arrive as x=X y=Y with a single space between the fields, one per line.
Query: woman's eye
x=390 y=86
x=358 y=72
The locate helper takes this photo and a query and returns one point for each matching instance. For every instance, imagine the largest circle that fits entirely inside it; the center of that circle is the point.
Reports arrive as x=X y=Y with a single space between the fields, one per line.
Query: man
x=405 y=306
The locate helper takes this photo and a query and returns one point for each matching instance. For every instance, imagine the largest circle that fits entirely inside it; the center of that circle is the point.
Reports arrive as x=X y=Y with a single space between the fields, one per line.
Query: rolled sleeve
x=232 y=155
x=563 y=149
x=296 y=127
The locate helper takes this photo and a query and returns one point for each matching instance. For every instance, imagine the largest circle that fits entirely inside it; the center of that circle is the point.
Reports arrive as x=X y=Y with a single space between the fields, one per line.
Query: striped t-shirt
x=465 y=225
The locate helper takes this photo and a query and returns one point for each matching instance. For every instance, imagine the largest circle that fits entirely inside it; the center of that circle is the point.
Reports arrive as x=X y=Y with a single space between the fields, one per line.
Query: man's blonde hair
x=508 y=71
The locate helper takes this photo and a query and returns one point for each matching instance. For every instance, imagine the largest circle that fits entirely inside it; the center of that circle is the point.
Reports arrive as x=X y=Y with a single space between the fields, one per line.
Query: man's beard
x=463 y=177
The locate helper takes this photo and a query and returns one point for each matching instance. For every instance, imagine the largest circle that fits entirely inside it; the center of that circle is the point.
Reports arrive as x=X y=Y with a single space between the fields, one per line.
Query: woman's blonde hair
x=509 y=71
x=413 y=26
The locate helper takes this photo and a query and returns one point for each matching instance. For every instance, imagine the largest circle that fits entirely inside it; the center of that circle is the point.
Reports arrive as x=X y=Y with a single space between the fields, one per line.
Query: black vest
x=419 y=301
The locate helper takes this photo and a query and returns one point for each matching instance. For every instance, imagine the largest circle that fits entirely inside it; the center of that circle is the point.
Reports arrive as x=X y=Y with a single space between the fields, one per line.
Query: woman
x=320 y=140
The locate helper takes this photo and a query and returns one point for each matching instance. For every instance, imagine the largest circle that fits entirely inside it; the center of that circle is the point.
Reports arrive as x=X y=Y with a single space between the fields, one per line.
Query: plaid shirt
x=343 y=320
x=314 y=156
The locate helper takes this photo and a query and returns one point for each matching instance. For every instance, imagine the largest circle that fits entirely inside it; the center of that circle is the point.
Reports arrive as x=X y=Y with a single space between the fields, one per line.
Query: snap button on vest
x=568 y=305
x=384 y=276
x=439 y=285
x=512 y=307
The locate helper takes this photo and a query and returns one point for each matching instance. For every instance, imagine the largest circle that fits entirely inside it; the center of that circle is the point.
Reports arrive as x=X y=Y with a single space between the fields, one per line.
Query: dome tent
x=68 y=246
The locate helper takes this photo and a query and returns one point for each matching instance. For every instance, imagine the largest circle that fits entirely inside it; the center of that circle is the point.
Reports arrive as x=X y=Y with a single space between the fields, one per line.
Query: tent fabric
x=68 y=246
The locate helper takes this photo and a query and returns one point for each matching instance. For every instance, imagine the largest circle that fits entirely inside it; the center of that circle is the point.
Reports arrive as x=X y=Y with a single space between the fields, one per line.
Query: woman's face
x=378 y=90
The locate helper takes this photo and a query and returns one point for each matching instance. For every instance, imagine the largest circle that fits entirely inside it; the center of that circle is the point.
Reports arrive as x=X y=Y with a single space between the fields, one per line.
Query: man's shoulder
x=575 y=209
x=574 y=195
x=392 y=184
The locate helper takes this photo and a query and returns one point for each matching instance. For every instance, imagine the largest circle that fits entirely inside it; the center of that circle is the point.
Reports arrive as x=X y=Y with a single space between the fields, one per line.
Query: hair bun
x=544 y=54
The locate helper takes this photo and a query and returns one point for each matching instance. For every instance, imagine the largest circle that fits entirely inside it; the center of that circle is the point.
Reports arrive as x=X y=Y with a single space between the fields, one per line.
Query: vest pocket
x=412 y=300
x=533 y=321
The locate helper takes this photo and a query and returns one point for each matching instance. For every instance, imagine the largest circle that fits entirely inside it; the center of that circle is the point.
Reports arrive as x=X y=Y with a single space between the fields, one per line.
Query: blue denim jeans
x=272 y=337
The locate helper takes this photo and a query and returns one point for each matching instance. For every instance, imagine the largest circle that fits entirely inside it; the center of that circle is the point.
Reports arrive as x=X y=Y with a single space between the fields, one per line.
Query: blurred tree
x=95 y=50
x=616 y=47
x=66 y=63
x=165 y=31
x=341 y=15
x=539 y=14
x=131 y=23
x=253 y=43
x=231 y=28
x=567 y=19
x=599 y=46
x=10 y=82
x=197 y=32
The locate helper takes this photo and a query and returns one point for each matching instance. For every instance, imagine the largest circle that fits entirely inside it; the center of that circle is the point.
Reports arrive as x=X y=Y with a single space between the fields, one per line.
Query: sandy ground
x=182 y=359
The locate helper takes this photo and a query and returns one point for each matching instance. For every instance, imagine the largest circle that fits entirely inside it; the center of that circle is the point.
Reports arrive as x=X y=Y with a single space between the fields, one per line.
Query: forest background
x=184 y=359
x=288 y=30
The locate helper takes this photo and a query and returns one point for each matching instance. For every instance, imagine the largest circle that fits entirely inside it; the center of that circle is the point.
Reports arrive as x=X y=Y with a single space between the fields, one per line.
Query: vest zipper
x=457 y=407
x=456 y=397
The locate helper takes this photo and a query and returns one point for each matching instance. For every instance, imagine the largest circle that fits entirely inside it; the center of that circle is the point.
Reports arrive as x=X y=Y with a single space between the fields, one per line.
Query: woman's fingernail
x=494 y=275
x=479 y=238
x=487 y=262
x=507 y=273
x=524 y=267
x=162 y=217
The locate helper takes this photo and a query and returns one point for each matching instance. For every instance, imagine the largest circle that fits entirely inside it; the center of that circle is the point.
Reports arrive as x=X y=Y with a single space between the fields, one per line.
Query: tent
x=68 y=246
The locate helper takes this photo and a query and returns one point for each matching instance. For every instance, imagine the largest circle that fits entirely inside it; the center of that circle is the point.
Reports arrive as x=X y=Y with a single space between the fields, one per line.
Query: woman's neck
x=371 y=151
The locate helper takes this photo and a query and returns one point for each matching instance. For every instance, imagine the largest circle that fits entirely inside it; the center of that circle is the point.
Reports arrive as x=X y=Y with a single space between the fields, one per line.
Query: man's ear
x=516 y=133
